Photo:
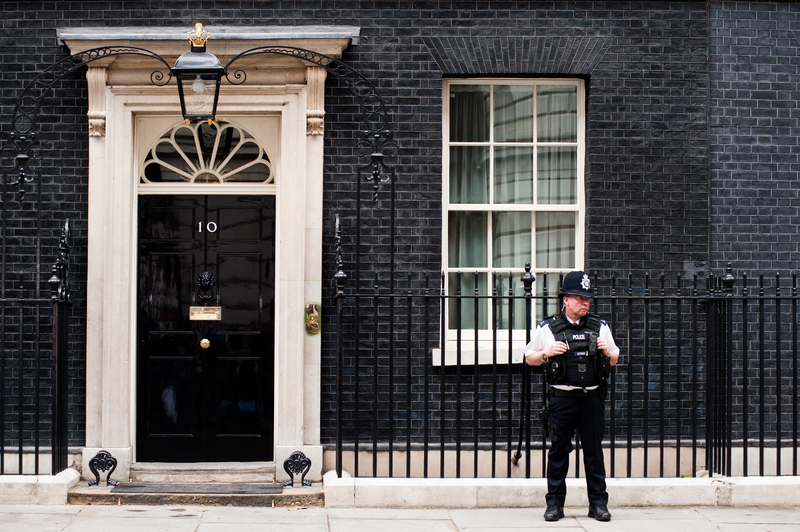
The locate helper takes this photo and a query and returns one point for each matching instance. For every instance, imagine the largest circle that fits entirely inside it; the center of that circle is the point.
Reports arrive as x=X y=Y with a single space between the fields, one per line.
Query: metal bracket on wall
x=297 y=463
x=103 y=461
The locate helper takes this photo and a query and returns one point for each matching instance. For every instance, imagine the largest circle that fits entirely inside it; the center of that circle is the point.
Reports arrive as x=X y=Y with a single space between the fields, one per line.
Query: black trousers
x=586 y=414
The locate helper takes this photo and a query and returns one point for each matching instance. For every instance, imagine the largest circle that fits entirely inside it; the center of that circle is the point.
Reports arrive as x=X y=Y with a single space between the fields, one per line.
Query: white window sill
x=485 y=353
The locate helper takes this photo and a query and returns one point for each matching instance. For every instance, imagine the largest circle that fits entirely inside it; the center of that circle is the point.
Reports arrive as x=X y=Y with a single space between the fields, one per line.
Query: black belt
x=580 y=392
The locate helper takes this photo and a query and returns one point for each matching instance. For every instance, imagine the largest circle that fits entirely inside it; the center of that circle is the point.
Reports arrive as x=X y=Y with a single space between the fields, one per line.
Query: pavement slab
x=277 y=516
x=389 y=514
x=133 y=512
x=132 y=524
x=393 y=525
x=135 y=519
x=492 y=518
x=740 y=527
x=393 y=519
x=261 y=527
x=758 y=515
x=36 y=518
x=650 y=525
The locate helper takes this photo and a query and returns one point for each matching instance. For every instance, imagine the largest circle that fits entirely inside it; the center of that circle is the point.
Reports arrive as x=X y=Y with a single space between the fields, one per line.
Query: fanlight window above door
x=220 y=152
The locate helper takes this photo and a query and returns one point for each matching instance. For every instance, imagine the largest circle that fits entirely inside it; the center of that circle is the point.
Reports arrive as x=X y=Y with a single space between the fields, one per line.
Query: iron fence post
x=728 y=281
x=340 y=277
x=60 y=295
x=527 y=283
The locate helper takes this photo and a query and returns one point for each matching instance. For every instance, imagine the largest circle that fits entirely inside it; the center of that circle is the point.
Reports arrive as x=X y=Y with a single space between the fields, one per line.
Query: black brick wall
x=29 y=45
x=660 y=176
x=754 y=126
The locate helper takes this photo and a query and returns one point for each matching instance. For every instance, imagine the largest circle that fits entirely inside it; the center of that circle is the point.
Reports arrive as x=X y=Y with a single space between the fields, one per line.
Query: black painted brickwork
x=648 y=146
x=29 y=45
x=754 y=127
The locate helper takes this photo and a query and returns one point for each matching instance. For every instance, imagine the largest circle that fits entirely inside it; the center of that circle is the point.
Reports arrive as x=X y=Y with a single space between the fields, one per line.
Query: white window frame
x=485 y=336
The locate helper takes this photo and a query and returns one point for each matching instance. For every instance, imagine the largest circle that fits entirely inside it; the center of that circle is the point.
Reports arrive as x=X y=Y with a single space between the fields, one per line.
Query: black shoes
x=600 y=513
x=553 y=513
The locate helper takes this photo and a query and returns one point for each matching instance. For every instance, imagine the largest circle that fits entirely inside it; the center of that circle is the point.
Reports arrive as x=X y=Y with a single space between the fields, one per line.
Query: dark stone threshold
x=199 y=494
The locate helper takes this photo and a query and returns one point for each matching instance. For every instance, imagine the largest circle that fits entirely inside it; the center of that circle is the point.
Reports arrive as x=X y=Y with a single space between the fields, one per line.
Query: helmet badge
x=586 y=284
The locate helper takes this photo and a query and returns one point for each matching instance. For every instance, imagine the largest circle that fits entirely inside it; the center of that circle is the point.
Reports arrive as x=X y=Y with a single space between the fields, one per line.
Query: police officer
x=577 y=350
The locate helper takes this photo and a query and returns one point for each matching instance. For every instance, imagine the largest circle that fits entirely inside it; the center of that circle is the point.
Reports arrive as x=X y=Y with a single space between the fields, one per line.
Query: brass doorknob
x=204 y=343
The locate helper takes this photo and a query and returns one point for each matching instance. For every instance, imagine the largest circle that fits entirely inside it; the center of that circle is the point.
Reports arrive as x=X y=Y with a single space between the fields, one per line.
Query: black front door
x=205 y=385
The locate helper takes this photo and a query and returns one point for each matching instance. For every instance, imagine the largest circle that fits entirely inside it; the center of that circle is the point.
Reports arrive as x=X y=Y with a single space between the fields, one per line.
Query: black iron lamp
x=198 y=74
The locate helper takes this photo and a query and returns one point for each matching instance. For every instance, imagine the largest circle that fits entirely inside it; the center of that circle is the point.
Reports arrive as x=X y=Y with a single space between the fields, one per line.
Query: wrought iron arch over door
x=376 y=139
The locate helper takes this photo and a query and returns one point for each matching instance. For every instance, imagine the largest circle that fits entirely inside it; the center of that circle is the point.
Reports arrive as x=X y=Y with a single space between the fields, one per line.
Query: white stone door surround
x=119 y=91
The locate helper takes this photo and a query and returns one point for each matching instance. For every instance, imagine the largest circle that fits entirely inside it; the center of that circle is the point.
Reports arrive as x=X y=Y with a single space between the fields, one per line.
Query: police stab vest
x=576 y=367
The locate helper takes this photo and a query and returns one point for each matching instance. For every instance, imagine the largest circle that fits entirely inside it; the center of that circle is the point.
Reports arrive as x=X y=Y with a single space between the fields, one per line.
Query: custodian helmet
x=576 y=283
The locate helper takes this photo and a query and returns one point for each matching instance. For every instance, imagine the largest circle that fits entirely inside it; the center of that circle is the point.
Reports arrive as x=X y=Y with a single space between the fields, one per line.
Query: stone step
x=202 y=472
x=217 y=494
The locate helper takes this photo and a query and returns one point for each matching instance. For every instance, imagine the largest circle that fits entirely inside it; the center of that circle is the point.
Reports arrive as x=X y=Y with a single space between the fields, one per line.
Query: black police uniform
x=580 y=409
x=577 y=383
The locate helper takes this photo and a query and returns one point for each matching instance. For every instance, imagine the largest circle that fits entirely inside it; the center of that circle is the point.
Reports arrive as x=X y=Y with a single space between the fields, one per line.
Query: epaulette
x=548 y=319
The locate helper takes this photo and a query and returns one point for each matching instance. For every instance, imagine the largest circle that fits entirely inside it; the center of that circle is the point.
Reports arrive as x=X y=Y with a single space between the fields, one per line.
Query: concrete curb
x=348 y=492
x=46 y=490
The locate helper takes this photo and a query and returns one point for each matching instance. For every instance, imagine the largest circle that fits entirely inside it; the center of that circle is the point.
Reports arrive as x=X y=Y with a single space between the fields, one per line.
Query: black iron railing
x=706 y=365
x=33 y=366
x=753 y=404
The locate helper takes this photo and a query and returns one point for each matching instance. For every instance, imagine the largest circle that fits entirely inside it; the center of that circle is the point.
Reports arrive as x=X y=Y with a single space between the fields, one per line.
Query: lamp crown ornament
x=198 y=36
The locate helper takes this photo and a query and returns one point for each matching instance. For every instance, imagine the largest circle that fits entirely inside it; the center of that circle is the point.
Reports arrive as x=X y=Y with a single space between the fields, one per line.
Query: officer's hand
x=556 y=349
x=602 y=345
